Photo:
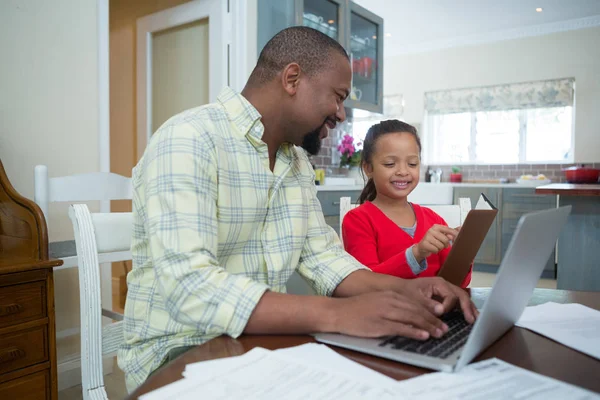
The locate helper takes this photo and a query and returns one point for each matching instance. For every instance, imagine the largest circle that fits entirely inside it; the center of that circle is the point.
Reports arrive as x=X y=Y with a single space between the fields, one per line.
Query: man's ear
x=290 y=78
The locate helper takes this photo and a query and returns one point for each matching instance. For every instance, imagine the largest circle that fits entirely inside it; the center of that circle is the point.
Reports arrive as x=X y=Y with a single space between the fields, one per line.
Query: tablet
x=466 y=245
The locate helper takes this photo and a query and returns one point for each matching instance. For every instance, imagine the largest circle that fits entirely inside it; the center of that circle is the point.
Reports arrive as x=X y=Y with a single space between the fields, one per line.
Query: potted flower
x=456 y=175
x=350 y=157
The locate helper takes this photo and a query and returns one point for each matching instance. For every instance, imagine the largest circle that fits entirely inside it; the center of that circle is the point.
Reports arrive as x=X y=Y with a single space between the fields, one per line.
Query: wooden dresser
x=27 y=329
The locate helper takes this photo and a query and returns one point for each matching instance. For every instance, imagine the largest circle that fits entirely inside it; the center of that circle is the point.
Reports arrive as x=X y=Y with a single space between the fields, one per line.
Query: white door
x=182 y=62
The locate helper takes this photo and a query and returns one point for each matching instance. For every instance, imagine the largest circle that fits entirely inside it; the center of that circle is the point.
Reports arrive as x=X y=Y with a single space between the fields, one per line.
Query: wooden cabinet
x=354 y=27
x=27 y=329
x=489 y=256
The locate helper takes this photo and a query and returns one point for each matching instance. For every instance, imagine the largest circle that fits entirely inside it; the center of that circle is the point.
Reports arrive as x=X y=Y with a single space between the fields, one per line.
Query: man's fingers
x=443 y=290
x=409 y=332
x=475 y=311
x=466 y=305
x=421 y=320
x=435 y=307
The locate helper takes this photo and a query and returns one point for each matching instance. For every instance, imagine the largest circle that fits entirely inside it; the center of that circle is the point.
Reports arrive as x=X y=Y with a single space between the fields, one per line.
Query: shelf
x=361 y=80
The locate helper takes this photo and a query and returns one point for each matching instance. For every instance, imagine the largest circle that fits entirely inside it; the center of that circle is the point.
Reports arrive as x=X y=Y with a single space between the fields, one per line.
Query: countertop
x=569 y=189
x=326 y=188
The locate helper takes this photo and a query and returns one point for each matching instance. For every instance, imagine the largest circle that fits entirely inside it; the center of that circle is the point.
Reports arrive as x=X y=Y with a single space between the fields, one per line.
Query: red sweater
x=377 y=242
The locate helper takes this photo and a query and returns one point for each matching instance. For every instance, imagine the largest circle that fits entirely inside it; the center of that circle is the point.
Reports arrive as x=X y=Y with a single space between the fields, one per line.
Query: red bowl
x=581 y=174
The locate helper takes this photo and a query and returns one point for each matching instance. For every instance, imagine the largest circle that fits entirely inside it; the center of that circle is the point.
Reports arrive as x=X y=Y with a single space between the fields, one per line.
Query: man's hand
x=427 y=290
x=384 y=313
x=437 y=238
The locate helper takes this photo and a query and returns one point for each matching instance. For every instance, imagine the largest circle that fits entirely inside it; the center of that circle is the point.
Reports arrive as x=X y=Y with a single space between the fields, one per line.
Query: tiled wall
x=324 y=158
x=510 y=171
x=469 y=172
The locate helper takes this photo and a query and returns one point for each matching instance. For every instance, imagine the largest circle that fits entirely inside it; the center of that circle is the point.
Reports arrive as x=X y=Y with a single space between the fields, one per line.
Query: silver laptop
x=521 y=268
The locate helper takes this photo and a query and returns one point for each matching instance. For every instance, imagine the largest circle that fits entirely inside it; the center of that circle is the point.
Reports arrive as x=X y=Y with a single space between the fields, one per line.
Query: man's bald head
x=310 y=49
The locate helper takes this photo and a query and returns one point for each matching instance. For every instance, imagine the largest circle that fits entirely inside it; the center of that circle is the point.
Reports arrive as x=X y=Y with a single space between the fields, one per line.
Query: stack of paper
x=491 y=379
x=263 y=374
x=572 y=325
x=313 y=371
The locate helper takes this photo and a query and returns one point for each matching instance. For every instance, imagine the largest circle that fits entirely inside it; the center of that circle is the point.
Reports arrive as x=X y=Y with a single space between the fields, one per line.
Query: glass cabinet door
x=325 y=16
x=366 y=51
x=273 y=16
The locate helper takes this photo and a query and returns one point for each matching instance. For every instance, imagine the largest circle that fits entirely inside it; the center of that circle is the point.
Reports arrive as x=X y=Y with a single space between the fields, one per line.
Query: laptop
x=519 y=272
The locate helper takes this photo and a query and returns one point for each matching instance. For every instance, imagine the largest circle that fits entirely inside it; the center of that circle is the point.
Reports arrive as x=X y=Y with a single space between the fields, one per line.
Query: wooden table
x=518 y=346
x=578 y=266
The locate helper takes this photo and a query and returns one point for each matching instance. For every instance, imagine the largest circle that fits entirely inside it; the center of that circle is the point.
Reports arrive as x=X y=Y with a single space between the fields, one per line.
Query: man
x=225 y=210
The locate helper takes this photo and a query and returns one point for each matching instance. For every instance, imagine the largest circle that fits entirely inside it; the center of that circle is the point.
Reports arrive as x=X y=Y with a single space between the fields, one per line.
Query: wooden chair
x=96 y=235
x=97 y=186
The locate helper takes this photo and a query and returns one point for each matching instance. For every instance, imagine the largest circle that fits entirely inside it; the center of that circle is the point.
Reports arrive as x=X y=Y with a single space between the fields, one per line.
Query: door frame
x=216 y=11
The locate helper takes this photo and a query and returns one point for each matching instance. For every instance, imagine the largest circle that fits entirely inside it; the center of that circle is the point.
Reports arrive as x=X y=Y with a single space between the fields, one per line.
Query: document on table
x=263 y=374
x=491 y=379
x=572 y=325
x=309 y=353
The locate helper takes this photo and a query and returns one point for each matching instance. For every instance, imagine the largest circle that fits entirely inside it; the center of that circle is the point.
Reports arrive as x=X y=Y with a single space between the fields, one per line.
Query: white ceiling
x=425 y=25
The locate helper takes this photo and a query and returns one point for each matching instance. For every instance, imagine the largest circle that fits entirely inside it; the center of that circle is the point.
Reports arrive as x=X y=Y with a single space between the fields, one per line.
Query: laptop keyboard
x=456 y=337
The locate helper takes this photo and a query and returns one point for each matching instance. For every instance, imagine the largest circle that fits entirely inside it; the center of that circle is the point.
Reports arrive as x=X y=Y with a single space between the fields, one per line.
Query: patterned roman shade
x=538 y=94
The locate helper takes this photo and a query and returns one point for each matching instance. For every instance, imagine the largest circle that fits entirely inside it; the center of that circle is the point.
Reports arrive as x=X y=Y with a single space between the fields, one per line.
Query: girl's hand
x=437 y=238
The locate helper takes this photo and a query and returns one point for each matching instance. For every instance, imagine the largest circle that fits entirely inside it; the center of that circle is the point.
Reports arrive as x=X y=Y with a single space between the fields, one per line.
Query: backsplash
x=469 y=172
x=325 y=159
x=509 y=171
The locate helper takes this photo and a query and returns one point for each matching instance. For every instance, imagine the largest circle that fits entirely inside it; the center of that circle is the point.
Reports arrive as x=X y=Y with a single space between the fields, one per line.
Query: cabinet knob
x=9 y=309
x=11 y=354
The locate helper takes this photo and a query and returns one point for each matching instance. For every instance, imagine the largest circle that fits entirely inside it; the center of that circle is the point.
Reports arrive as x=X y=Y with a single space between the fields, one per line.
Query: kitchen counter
x=569 y=189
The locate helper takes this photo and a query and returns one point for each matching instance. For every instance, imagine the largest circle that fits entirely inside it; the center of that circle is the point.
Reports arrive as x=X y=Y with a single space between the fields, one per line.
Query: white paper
x=309 y=353
x=491 y=379
x=263 y=374
x=572 y=325
x=483 y=204
x=324 y=357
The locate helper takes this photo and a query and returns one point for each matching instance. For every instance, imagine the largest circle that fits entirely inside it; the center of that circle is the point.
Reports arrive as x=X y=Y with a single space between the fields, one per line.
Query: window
x=522 y=123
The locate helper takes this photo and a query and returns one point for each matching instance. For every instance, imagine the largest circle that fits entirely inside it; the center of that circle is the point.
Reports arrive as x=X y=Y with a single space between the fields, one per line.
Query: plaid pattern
x=214 y=228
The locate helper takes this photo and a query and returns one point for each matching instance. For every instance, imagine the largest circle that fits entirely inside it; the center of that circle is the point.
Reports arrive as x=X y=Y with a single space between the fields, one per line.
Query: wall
x=567 y=54
x=122 y=44
x=49 y=112
x=49 y=105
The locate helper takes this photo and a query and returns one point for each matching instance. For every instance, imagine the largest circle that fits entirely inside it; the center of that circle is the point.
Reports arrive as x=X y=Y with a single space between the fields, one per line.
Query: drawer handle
x=11 y=354
x=10 y=309
x=336 y=203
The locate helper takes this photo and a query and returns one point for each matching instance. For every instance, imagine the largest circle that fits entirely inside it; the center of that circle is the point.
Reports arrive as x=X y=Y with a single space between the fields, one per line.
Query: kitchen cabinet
x=354 y=27
x=515 y=203
x=330 y=203
x=579 y=240
x=489 y=256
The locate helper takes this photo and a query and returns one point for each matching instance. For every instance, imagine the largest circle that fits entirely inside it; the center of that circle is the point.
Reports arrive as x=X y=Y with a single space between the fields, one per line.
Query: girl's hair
x=373 y=134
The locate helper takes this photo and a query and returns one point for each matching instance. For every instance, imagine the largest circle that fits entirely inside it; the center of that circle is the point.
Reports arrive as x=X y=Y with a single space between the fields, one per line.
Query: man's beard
x=312 y=142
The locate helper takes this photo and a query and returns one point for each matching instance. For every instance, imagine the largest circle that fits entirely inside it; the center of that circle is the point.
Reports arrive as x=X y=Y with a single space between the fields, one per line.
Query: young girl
x=386 y=232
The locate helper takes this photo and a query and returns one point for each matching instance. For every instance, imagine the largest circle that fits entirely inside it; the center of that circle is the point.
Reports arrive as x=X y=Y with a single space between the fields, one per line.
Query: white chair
x=97 y=186
x=97 y=235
